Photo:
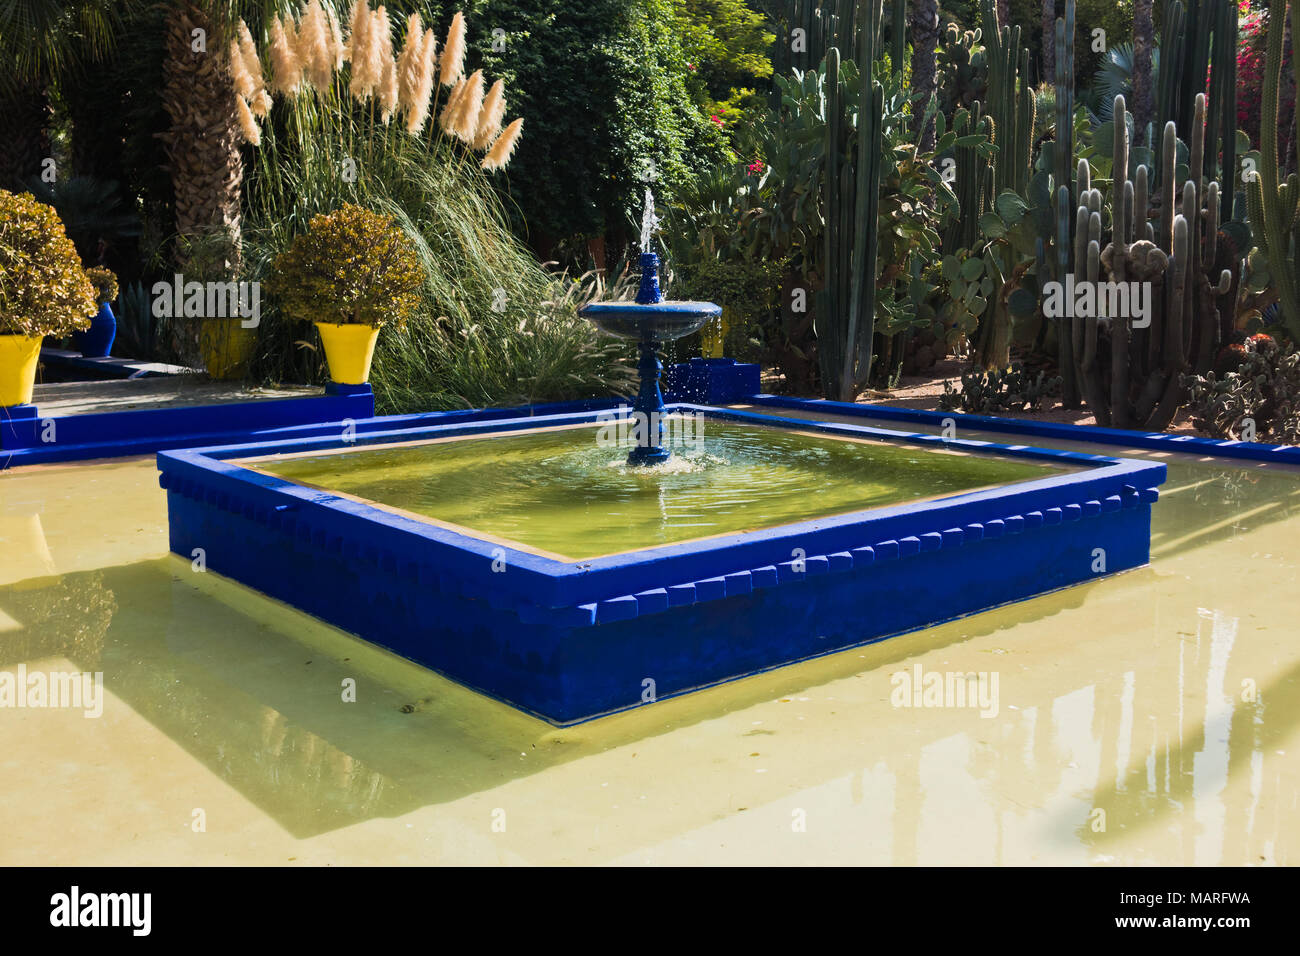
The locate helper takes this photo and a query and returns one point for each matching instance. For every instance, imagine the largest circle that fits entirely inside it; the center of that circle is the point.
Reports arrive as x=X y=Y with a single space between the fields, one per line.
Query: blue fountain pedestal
x=651 y=322
x=648 y=411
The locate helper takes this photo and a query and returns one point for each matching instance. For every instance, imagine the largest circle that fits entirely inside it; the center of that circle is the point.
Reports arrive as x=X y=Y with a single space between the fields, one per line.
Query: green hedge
x=602 y=88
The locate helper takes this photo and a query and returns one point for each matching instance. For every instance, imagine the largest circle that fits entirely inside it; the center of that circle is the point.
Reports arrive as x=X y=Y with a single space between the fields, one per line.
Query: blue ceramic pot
x=96 y=341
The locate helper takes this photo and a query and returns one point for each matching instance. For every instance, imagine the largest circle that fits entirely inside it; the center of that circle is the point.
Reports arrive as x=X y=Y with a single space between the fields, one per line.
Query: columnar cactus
x=1131 y=374
x=1062 y=158
x=973 y=179
x=898 y=38
x=1199 y=38
x=1010 y=103
x=819 y=25
x=845 y=321
x=994 y=154
x=1274 y=206
x=1005 y=118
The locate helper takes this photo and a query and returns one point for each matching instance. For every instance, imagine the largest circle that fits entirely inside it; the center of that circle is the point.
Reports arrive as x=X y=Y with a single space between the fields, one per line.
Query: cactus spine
x=1274 y=205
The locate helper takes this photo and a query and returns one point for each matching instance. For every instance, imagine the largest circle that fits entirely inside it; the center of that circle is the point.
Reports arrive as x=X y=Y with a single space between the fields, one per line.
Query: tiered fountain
x=651 y=322
x=500 y=548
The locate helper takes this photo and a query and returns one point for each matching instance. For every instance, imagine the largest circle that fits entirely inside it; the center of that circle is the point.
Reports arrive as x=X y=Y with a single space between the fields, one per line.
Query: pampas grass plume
x=499 y=156
x=453 y=51
x=464 y=121
x=490 y=116
x=261 y=103
x=415 y=75
x=447 y=118
x=247 y=125
x=362 y=53
x=243 y=81
x=314 y=47
x=338 y=49
x=408 y=63
x=248 y=55
x=286 y=70
x=386 y=65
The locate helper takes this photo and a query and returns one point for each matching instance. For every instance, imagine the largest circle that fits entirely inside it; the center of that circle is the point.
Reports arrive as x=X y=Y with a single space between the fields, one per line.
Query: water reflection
x=1165 y=699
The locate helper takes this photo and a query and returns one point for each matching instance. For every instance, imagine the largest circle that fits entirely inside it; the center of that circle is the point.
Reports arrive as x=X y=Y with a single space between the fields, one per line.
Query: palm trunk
x=1143 y=43
x=925 y=39
x=202 y=145
x=1049 y=40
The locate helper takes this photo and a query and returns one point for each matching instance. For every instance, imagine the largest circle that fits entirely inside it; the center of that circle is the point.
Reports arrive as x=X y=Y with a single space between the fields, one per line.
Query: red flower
x=755 y=168
x=717 y=119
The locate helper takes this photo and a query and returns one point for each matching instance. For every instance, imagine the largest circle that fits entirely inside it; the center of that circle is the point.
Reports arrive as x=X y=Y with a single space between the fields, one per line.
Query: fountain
x=514 y=551
x=651 y=322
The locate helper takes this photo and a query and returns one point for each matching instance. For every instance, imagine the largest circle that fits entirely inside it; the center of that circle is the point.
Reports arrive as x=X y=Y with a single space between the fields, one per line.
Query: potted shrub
x=97 y=341
x=225 y=345
x=352 y=271
x=43 y=290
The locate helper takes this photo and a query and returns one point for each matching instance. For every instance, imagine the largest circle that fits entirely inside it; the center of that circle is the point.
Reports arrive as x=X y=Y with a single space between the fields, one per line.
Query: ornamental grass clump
x=493 y=326
x=43 y=288
x=351 y=267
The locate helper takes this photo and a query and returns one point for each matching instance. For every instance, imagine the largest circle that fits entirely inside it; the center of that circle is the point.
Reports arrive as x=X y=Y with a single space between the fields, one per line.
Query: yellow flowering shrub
x=350 y=266
x=43 y=289
x=104 y=281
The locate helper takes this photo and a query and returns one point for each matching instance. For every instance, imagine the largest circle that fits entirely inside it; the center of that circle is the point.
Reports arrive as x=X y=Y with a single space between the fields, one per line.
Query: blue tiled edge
x=143 y=431
x=28 y=437
x=1043 y=431
x=569 y=641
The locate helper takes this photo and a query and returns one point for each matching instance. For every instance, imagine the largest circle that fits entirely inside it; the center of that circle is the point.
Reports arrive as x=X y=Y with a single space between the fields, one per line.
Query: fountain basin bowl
x=657 y=322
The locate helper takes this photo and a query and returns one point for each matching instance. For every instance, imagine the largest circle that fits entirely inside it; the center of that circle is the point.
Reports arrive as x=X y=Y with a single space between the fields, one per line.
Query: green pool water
x=569 y=491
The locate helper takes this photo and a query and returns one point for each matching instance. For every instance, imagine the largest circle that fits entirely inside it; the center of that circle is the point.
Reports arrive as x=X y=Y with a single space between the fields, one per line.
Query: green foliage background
x=602 y=87
x=726 y=44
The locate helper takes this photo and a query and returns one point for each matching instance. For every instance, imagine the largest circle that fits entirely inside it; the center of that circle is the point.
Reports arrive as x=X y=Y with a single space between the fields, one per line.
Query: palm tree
x=203 y=146
x=1143 y=43
x=42 y=41
x=925 y=39
x=1049 y=41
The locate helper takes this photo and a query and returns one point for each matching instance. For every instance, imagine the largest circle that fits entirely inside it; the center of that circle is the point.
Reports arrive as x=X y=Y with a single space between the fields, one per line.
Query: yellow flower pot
x=19 y=355
x=349 y=349
x=226 y=346
x=713 y=336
